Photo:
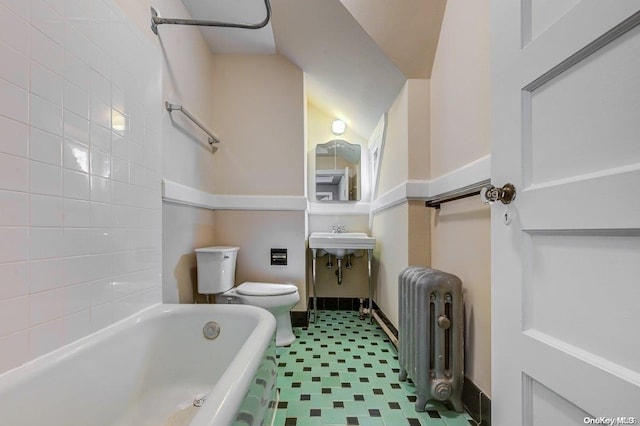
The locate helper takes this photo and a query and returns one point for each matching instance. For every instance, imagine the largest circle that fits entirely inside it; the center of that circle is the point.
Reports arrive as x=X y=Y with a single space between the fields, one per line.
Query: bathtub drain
x=211 y=330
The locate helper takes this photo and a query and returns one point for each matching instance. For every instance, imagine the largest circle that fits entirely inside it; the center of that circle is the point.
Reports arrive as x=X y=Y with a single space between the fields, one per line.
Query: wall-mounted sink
x=341 y=244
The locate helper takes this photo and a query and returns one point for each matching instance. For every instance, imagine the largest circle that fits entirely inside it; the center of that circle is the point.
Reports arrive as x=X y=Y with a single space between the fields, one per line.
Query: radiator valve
x=444 y=322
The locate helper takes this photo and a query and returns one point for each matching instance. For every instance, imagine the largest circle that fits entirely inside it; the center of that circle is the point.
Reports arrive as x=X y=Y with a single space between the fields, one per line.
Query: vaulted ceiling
x=356 y=54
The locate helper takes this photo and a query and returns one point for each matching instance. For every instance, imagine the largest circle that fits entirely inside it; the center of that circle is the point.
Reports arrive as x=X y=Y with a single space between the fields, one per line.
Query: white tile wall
x=80 y=201
x=15 y=102
x=15 y=137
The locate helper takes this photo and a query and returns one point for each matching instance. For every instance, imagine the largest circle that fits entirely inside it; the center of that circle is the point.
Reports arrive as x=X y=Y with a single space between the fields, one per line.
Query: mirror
x=338 y=171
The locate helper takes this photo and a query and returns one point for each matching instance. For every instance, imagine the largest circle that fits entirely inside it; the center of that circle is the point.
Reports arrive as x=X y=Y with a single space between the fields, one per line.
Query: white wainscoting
x=341 y=208
x=181 y=194
x=467 y=175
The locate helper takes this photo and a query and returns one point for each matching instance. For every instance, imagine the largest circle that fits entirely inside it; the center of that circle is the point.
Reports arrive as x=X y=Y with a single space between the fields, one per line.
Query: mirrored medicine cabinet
x=338 y=172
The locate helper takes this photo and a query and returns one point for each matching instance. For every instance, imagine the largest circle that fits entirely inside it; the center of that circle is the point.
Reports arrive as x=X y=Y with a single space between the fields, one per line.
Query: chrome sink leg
x=313 y=282
x=369 y=256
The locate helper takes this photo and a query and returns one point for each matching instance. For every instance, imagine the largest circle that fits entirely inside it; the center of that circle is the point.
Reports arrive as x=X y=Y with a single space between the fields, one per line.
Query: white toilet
x=216 y=275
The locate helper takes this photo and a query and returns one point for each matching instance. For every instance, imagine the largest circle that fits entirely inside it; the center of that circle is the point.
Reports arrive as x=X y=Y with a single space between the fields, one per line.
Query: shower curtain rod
x=157 y=20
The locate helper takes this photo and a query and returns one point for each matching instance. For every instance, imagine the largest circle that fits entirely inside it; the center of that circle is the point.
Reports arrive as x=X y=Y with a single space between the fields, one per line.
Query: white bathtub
x=149 y=368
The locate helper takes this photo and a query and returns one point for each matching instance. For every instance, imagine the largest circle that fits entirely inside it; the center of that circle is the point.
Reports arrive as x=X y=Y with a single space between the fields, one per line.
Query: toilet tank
x=216 y=269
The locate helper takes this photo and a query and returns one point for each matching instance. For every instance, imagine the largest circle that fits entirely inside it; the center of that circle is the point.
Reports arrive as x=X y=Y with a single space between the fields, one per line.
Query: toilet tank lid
x=265 y=289
x=216 y=249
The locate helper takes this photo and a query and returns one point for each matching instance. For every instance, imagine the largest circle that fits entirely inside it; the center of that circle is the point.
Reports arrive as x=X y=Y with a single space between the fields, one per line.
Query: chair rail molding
x=182 y=194
x=339 y=208
x=469 y=174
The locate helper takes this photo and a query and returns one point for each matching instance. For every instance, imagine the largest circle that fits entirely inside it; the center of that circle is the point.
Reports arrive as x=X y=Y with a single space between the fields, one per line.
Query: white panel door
x=566 y=269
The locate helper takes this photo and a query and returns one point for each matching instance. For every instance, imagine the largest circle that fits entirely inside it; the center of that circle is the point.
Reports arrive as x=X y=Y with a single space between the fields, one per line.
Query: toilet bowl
x=216 y=275
x=275 y=298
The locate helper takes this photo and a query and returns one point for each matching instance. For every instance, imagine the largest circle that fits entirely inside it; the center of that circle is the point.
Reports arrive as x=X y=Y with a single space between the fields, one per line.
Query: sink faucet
x=337 y=229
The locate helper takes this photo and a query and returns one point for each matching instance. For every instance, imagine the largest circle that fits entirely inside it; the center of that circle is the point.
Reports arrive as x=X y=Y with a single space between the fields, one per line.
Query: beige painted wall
x=392 y=256
x=319 y=132
x=319 y=128
x=403 y=231
x=460 y=88
x=419 y=233
x=460 y=104
x=256 y=232
x=403 y=238
x=257 y=110
x=406 y=152
x=394 y=167
x=419 y=127
x=461 y=240
x=184 y=229
x=255 y=104
x=355 y=281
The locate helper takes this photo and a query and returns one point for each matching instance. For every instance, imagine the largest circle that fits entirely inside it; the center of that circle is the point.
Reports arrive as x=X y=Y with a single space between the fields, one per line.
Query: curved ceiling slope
x=347 y=74
x=407 y=31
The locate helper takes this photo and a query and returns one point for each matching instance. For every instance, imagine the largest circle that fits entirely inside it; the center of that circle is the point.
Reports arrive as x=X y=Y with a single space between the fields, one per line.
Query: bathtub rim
x=222 y=404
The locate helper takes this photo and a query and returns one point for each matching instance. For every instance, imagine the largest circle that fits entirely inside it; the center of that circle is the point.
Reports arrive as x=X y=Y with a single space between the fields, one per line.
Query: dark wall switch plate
x=278 y=256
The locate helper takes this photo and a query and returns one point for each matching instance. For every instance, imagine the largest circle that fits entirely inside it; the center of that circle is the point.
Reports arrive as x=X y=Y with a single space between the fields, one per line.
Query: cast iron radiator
x=430 y=334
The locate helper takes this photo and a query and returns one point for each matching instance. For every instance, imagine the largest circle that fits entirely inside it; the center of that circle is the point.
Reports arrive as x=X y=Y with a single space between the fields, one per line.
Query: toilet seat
x=265 y=289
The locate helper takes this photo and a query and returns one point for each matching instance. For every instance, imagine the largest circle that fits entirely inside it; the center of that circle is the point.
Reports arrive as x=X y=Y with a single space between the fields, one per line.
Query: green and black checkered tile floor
x=342 y=370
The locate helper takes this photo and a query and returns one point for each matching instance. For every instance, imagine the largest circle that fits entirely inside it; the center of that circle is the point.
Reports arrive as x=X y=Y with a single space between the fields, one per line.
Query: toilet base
x=279 y=306
x=284 y=331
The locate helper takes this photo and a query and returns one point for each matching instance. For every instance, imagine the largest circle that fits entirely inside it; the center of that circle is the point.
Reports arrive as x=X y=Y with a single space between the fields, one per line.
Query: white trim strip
x=351 y=208
x=400 y=194
x=467 y=175
x=182 y=194
x=470 y=174
x=418 y=189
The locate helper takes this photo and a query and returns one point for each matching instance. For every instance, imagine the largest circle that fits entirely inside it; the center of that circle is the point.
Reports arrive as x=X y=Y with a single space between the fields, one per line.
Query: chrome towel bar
x=175 y=107
x=464 y=192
